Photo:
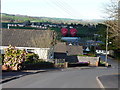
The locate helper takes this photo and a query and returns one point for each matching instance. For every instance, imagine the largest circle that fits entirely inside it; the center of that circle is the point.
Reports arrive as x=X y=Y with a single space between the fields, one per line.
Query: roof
x=69 y=49
x=60 y=48
x=74 y=50
x=71 y=39
x=25 y=38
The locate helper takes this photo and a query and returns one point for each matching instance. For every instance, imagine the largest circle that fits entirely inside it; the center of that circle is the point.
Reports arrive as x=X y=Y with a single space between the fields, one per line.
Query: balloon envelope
x=64 y=31
x=73 y=32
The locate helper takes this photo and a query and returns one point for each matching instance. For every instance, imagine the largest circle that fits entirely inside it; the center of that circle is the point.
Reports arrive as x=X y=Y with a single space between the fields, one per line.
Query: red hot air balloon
x=73 y=32
x=64 y=31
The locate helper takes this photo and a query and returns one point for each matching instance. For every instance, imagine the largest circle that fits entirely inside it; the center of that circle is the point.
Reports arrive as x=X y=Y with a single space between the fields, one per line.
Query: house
x=102 y=52
x=67 y=52
x=74 y=50
x=30 y=40
x=71 y=39
x=60 y=51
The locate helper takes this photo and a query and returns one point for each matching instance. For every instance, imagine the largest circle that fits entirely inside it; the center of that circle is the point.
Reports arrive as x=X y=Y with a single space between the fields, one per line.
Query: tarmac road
x=67 y=78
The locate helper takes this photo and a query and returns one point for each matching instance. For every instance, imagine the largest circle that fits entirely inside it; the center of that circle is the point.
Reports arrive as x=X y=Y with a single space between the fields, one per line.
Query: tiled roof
x=74 y=50
x=60 y=48
x=21 y=38
x=70 y=50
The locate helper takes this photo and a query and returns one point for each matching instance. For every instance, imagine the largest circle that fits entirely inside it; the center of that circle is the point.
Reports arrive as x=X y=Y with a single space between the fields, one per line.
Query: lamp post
x=106 y=59
x=106 y=44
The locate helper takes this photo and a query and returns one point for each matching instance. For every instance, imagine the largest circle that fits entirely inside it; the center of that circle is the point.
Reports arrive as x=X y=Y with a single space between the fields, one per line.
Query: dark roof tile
x=21 y=38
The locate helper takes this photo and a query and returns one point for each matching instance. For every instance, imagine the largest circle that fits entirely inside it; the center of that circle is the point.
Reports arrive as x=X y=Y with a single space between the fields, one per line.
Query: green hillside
x=21 y=18
x=17 y=18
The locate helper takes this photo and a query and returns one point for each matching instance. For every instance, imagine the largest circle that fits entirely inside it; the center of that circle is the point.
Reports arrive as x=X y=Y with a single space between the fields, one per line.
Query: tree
x=113 y=22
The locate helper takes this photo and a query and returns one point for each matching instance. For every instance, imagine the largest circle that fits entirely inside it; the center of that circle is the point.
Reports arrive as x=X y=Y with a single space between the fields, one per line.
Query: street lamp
x=106 y=59
x=106 y=44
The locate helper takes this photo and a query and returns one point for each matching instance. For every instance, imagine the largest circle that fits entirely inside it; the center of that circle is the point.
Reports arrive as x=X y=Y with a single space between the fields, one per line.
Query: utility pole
x=106 y=44
x=108 y=26
x=95 y=37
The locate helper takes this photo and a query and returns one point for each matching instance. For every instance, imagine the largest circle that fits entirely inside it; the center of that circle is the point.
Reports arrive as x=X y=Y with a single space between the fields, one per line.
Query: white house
x=102 y=52
x=43 y=53
x=21 y=39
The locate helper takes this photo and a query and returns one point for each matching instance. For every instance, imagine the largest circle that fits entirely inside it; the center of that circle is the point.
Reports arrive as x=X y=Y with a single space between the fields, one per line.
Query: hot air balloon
x=73 y=32
x=64 y=31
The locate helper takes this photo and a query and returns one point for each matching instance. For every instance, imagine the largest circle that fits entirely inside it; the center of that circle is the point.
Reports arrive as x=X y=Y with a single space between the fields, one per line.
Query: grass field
x=22 y=18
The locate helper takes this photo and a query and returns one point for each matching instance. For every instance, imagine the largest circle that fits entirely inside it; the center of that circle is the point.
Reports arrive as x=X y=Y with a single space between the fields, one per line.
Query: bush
x=90 y=55
x=28 y=61
x=1 y=58
x=19 y=58
x=79 y=64
x=117 y=54
x=13 y=56
x=31 y=57
x=59 y=65
x=37 y=64
x=102 y=63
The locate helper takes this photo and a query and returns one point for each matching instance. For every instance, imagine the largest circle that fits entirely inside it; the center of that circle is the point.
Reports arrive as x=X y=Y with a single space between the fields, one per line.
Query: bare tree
x=111 y=9
x=113 y=16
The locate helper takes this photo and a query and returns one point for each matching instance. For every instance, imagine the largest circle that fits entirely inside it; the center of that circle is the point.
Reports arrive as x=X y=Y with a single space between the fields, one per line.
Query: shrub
x=102 y=62
x=31 y=57
x=1 y=58
x=37 y=64
x=33 y=61
x=13 y=56
x=90 y=55
x=59 y=65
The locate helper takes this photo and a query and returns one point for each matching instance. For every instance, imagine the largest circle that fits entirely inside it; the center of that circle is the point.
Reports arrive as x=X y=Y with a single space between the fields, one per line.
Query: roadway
x=66 y=78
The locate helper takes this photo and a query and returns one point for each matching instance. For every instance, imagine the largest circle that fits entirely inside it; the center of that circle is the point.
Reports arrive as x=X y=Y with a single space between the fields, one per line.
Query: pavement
x=11 y=75
x=109 y=81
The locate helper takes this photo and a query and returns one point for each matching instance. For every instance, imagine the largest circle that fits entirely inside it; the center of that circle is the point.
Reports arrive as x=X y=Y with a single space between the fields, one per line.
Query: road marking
x=101 y=85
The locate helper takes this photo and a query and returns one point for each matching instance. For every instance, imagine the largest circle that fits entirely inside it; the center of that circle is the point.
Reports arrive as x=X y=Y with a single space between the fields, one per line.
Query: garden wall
x=92 y=60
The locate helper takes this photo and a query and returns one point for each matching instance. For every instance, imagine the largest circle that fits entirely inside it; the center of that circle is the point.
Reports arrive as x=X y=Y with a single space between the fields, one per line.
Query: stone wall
x=92 y=60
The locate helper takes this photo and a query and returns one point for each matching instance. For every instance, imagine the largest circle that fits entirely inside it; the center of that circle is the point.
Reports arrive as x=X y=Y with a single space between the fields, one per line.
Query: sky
x=75 y=9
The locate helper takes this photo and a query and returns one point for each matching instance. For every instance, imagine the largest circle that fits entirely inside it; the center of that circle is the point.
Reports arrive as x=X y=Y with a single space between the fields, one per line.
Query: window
x=30 y=50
